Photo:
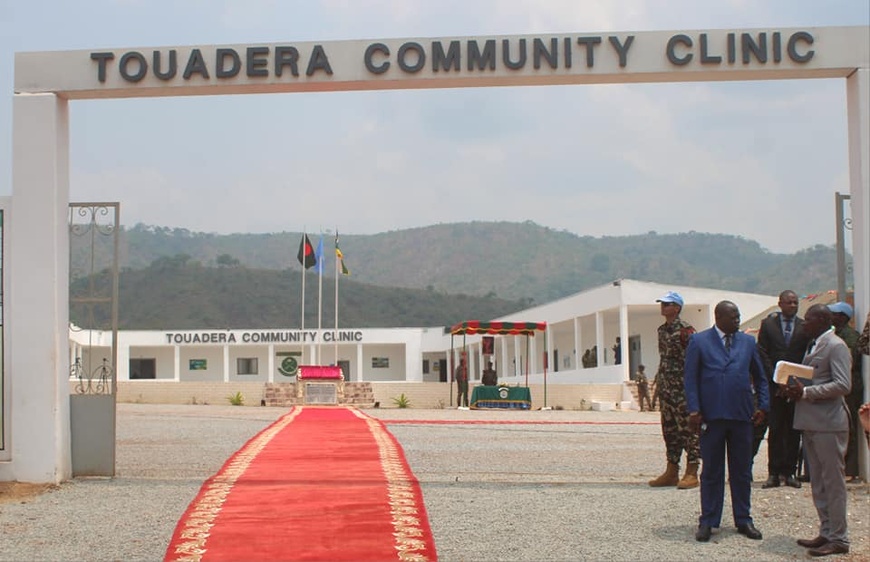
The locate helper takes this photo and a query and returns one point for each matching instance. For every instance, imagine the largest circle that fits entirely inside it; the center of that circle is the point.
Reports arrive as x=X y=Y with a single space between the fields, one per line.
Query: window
x=143 y=368
x=198 y=365
x=247 y=366
x=380 y=362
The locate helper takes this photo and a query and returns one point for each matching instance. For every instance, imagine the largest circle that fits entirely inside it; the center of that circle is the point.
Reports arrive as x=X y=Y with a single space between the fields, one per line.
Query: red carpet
x=515 y=422
x=318 y=484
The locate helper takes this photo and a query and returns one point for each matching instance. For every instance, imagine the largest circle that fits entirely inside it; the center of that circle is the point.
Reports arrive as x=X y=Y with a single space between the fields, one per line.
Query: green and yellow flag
x=340 y=257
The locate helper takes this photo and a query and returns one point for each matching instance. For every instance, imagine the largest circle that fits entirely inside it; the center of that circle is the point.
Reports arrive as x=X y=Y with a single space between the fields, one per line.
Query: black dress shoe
x=829 y=548
x=749 y=531
x=771 y=482
x=792 y=481
x=703 y=533
x=813 y=543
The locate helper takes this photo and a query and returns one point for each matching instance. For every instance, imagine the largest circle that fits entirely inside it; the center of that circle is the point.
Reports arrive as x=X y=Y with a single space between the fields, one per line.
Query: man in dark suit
x=781 y=337
x=722 y=367
x=822 y=414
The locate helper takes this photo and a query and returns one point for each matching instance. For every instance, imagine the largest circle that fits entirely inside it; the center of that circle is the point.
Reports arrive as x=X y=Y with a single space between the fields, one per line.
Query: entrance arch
x=36 y=364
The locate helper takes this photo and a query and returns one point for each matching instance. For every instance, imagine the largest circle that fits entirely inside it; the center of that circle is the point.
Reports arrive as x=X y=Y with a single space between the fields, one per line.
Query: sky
x=752 y=159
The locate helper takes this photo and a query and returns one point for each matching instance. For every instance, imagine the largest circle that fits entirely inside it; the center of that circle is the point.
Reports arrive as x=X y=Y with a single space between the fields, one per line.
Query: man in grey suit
x=822 y=414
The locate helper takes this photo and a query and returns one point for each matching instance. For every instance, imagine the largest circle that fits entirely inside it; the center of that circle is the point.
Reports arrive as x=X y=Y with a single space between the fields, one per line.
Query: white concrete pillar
x=176 y=363
x=358 y=375
x=122 y=369
x=858 y=116
x=481 y=361
x=599 y=337
x=533 y=354
x=549 y=367
x=270 y=363
x=578 y=344
x=413 y=364
x=312 y=354
x=858 y=119
x=624 y=344
x=38 y=303
x=226 y=358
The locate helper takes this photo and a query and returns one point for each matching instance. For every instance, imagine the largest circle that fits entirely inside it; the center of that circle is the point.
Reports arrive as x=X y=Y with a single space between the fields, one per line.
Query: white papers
x=786 y=369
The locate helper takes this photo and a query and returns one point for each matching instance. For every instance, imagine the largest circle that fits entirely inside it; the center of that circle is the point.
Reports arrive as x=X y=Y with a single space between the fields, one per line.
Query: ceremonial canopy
x=478 y=328
x=475 y=327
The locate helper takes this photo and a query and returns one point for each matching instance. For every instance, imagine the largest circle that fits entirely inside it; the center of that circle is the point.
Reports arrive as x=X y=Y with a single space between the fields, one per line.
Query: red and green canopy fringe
x=473 y=327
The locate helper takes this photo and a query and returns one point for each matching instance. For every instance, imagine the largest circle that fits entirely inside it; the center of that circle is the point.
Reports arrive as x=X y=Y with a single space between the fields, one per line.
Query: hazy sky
x=755 y=159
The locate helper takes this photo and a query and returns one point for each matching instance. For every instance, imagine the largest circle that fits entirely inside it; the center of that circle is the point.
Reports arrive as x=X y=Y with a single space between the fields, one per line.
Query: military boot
x=670 y=477
x=690 y=478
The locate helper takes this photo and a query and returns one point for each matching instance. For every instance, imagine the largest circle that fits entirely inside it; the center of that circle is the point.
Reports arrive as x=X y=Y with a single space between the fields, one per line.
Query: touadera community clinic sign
x=444 y=62
x=263 y=336
x=467 y=56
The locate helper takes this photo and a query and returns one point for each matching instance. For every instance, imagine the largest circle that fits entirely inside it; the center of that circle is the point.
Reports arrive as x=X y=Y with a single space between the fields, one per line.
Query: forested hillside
x=516 y=261
x=179 y=293
x=430 y=276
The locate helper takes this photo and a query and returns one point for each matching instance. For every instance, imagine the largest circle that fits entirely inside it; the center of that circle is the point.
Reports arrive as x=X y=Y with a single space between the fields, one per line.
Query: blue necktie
x=728 y=342
x=787 y=331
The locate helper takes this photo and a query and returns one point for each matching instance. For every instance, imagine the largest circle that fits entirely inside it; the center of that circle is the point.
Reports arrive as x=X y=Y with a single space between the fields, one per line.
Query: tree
x=226 y=260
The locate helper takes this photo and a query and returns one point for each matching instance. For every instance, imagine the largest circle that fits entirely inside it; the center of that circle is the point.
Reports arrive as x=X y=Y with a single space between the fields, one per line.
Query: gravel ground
x=494 y=491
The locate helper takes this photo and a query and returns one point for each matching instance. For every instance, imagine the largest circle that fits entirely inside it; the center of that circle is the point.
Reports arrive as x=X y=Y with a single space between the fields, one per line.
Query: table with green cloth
x=509 y=397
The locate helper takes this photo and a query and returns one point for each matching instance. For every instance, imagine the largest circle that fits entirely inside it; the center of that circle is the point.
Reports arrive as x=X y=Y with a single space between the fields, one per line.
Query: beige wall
x=437 y=395
x=422 y=395
x=196 y=392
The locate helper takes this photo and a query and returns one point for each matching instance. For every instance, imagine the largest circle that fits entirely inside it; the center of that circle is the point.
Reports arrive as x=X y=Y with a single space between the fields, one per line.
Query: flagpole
x=336 y=297
x=319 y=297
x=303 y=297
x=339 y=260
x=303 y=286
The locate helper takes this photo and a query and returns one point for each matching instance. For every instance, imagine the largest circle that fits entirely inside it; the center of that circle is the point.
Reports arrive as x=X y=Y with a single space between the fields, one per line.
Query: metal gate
x=93 y=282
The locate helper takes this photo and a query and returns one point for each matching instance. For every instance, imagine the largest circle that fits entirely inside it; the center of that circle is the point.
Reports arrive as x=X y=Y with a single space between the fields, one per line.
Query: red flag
x=306 y=253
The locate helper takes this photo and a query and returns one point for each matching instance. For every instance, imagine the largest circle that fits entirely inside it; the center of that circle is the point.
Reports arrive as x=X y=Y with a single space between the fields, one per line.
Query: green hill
x=403 y=278
x=179 y=293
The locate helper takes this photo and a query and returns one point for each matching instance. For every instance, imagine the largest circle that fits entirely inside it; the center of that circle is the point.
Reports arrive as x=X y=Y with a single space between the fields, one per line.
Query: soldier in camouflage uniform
x=673 y=340
x=863 y=343
x=841 y=314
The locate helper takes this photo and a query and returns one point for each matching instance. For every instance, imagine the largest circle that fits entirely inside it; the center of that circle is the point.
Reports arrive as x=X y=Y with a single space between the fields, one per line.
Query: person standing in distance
x=821 y=413
x=489 y=376
x=673 y=340
x=461 y=376
x=781 y=337
x=642 y=388
x=722 y=369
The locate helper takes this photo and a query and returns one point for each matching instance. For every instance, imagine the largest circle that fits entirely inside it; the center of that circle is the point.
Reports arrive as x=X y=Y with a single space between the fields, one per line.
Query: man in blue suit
x=722 y=367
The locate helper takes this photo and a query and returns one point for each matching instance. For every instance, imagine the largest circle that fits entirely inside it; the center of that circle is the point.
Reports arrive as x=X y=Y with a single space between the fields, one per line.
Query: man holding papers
x=822 y=414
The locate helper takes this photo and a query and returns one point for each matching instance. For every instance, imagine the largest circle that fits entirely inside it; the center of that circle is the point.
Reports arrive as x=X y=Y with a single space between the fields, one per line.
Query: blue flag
x=318 y=255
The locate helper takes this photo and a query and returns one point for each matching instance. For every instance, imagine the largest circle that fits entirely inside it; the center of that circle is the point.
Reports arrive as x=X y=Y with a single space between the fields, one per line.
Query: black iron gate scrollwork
x=93 y=275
